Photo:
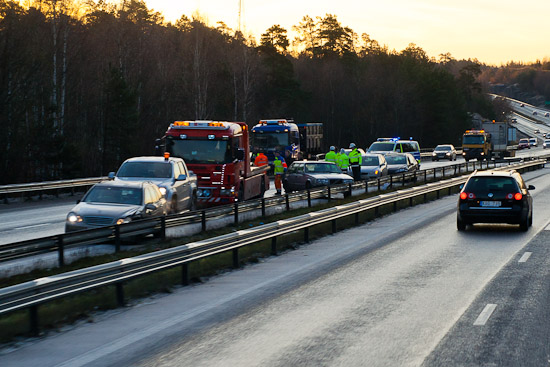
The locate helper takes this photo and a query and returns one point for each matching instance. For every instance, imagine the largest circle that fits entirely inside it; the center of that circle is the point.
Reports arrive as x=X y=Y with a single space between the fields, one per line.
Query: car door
x=153 y=196
x=294 y=175
x=185 y=192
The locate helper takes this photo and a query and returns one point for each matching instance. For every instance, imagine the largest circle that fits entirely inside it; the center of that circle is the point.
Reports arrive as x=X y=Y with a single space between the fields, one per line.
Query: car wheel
x=193 y=205
x=174 y=205
x=460 y=225
x=524 y=225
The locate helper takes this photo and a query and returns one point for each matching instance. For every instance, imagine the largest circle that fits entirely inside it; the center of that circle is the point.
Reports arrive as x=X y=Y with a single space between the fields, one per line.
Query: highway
x=403 y=290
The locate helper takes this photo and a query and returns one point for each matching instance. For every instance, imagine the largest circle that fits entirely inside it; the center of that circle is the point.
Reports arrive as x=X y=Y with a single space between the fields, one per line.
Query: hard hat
x=342 y=150
x=332 y=147
x=352 y=145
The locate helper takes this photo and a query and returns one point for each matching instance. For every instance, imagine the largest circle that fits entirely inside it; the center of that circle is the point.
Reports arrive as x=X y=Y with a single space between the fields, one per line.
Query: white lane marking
x=485 y=314
x=525 y=257
x=33 y=226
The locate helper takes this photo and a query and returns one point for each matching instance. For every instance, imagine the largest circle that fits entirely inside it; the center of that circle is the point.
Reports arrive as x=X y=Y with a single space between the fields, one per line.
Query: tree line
x=86 y=85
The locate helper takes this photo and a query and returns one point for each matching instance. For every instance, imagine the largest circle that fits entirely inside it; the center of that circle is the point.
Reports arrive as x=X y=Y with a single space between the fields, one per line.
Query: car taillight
x=518 y=196
x=467 y=195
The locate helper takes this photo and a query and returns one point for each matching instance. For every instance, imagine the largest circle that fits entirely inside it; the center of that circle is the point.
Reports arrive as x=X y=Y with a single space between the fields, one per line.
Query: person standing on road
x=279 y=168
x=331 y=155
x=343 y=160
x=355 y=161
x=261 y=160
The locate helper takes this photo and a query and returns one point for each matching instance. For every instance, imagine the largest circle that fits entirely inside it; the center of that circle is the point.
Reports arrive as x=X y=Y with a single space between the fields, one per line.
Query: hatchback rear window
x=486 y=184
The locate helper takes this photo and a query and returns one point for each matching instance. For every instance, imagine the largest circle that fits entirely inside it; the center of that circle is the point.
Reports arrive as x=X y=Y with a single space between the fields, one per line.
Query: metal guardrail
x=33 y=293
x=157 y=226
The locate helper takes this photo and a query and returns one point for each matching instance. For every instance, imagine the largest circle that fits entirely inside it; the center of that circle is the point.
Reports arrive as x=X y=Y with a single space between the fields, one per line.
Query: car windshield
x=322 y=168
x=370 y=161
x=145 y=169
x=491 y=184
x=524 y=141
x=114 y=195
x=442 y=148
x=265 y=140
x=473 y=139
x=381 y=147
x=396 y=159
x=201 y=151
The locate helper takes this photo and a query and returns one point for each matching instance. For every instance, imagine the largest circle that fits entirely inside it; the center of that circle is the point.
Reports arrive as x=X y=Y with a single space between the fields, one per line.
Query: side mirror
x=111 y=176
x=240 y=154
x=181 y=177
x=461 y=186
x=530 y=187
x=150 y=207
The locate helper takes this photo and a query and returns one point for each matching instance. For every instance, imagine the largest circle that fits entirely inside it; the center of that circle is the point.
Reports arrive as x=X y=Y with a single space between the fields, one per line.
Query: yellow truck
x=476 y=144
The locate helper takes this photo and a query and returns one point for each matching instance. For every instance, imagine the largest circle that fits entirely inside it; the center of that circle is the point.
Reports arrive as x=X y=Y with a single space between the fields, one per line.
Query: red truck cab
x=218 y=153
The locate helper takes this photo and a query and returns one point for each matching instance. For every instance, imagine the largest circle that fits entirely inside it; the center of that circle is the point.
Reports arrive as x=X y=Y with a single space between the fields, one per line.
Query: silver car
x=302 y=175
x=373 y=166
x=546 y=144
x=116 y=202
x=444 y=151
x=170 y=174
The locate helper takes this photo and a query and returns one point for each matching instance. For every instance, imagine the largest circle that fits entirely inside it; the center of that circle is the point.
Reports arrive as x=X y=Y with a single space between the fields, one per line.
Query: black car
x=116 y=202
x=302 y=175
x=401 y=163
x=495 y=197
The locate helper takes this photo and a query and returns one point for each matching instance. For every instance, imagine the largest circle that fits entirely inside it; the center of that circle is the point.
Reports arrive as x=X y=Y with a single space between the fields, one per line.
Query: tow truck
x=218 y=153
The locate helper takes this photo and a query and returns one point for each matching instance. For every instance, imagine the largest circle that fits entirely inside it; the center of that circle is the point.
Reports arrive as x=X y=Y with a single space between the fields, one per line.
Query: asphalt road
x=400 y=291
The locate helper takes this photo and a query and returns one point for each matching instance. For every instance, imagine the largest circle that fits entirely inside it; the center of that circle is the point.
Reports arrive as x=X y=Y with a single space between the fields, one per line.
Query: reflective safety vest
x=278 y=167
x=355 y=158
x=330 y=156
x=343 y=161
x=261 y=160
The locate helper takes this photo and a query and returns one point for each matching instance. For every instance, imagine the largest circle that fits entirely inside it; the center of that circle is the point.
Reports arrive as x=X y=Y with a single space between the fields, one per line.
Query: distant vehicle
x=537 y=131
x=547 y=114
x=495 y=197
x=116 y=202
x=276 y=135
x=546 y=144
x=514 y=120
x=311 y=139
x=524 y=143
x=170 y=174
x=445 y=151
x=373 y=166
x=534 y=112
x=401 y=163
x=388 y=145
x=533 y=142
x=522 y=105
x=303 y=175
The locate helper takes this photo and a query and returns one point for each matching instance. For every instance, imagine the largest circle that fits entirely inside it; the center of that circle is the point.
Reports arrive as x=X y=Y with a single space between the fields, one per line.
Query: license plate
x=490 y=204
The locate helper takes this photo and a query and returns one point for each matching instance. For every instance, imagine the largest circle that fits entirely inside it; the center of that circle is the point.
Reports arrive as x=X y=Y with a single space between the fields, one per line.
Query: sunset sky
x=492 y=31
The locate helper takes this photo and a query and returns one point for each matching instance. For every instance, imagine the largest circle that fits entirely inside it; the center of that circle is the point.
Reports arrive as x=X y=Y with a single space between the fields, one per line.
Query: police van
x=388 y=145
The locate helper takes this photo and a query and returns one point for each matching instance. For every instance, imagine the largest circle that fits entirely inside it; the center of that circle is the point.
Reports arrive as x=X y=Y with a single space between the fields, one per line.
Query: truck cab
x=476 y=144
x=276 y=135
x=218 y=153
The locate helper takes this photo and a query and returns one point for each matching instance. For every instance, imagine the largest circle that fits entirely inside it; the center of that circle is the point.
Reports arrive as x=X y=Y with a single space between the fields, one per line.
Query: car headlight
x=448 y=153
x=322 y=181
x=376 y=172
x=123 y=220
x=434 y=153
x=163 y=190
x=401 y=170
x=74 y=218
x=227 y=192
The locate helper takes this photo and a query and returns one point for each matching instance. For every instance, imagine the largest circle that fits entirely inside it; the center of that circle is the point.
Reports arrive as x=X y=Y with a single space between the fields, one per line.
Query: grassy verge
x=56 y=314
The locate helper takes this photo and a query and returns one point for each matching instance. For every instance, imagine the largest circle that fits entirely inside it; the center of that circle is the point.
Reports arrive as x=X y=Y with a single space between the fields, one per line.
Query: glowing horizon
x=494 y=32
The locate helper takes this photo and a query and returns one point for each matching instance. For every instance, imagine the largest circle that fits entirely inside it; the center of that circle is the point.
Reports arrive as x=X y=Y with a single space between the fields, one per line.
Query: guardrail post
x=117 y=238
x=60 y=251
x=394 y=206
x=308 y=198
x=410 y=201
x=435 y=174
x=236 y=210
x=306 y=234
x=376 y=211
x=185 y=274
x=403 y=180
x=33 y=318
x=203 y=220
x=443 y=171
x=328 y=193
x=263 y=207
x=120 y=294
x=414 y=177
x=356 y=218
x=437 y=193
x=235 y=252
x=333 y=226
x=163 y=227
x=378 y=184
x=6 y=199
x=425 y=175
x=391 y=181
x=273 y=245
x=366 y=186
x=287 y=202
x=350 y=190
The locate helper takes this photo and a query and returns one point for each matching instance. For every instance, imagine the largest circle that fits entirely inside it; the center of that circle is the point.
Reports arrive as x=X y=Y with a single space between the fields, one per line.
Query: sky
x=492 y=31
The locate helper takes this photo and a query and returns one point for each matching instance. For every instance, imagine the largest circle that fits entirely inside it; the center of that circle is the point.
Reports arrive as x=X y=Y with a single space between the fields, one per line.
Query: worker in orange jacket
x=261 y=160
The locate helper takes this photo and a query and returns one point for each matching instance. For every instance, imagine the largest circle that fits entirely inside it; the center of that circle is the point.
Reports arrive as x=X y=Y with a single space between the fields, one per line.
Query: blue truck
x=292 y=141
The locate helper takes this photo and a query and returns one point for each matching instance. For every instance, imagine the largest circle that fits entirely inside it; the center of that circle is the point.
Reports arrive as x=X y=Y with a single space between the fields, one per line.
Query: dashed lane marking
x=485 y=314
x=525 y=257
